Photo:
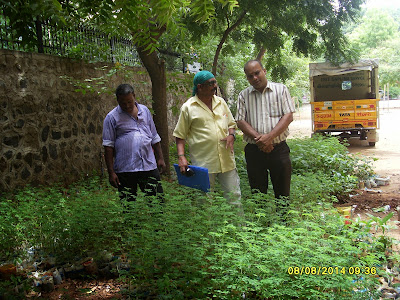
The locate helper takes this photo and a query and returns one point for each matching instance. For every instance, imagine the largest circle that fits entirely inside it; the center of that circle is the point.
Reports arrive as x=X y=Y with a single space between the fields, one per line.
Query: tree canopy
x=144 y=21
x=376 y=27
x=314 y=26
x=377 y=35
x=309 y=27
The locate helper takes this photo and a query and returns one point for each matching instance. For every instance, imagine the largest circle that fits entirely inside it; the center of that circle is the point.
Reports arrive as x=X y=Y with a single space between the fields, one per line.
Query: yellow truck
x=344 y=99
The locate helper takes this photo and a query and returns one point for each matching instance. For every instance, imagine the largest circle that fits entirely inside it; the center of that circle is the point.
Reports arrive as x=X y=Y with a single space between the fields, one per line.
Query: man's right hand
x=113 y=179
x=183 y=164
x=264 y=142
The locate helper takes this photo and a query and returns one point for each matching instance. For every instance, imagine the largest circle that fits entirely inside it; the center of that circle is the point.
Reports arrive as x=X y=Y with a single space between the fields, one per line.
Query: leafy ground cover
x=188 y=245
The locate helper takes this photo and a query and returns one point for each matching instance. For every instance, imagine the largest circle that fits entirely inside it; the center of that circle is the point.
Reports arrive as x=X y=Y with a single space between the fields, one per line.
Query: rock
x=47 y=263
x=105 y=272
x=47 y=283
x=373 y=191
x=7 y=270
x=106 y=256
x=389 y=296
x=90 y=267
x=382 y=181
x=373 y=183
x=57 y=277
x=367 y=184
x=73 y=271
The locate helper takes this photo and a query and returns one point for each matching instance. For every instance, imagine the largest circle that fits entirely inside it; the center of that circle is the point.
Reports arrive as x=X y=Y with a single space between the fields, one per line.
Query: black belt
x=280 y=143
x=275 y=145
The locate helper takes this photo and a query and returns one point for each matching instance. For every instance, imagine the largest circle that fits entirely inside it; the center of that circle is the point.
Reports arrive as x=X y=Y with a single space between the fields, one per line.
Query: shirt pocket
x=201 y=122
x=126 y=129
x=222 y=118
x=222 y=121
x=275 y=109
x=144 y=127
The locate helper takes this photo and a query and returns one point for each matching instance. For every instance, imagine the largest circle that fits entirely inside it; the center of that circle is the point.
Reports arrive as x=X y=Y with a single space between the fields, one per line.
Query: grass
x=192 y=246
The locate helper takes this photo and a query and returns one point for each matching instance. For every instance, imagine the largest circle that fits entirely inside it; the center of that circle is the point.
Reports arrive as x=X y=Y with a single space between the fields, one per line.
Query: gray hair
x=124 y=89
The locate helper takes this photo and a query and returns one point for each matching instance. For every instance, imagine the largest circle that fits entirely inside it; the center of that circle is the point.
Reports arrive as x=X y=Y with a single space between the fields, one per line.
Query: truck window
x=346 y=85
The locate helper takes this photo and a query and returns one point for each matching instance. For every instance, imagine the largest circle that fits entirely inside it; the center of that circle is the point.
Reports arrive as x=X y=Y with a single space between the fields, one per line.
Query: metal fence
x=78 y=42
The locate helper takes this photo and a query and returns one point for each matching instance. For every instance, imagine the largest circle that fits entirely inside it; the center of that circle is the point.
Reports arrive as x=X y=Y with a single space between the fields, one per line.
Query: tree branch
x=261 y=53
x=224 y=38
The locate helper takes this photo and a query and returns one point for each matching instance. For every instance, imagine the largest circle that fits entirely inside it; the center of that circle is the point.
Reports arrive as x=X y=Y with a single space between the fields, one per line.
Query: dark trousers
x=277 y=163
x=148 y=181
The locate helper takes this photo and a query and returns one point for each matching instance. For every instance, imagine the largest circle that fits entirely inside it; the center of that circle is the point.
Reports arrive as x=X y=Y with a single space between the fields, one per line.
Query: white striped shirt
x=264 y=110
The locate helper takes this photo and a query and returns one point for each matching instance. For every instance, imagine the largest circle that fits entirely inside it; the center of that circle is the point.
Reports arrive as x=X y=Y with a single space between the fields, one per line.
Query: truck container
x=344 y=99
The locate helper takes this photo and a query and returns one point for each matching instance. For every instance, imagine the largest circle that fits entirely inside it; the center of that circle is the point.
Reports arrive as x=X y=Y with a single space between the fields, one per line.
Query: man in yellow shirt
x=207 y=125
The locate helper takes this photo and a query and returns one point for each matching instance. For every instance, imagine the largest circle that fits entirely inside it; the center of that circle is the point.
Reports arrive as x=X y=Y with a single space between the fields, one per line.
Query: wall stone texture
x=50 y=133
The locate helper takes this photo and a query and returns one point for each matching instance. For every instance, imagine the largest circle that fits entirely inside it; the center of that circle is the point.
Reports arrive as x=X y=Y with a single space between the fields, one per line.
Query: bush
x=190 y=245
x=197 y=248
x=59 y=221
x=327 y=155
x=330 y=160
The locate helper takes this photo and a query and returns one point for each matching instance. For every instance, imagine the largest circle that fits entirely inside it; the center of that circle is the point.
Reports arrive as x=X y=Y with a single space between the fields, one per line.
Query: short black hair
x=124 y=89
x=251 y=61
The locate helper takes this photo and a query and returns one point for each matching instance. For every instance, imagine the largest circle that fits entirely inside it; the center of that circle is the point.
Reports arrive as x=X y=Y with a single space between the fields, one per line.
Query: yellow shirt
x=203 y=130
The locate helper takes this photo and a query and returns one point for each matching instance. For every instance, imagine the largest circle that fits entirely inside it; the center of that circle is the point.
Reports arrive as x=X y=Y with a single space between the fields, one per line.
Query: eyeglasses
x=210 y=83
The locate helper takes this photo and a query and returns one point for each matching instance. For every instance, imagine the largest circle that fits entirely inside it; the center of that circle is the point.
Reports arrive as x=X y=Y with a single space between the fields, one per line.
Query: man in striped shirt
x=264 y=112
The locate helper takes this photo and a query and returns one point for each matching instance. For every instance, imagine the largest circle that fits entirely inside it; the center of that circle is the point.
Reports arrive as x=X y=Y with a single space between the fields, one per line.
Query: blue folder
x=199 y=180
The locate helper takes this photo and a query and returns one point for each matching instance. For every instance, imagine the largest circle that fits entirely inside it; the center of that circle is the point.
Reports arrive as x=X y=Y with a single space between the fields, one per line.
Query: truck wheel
x=372 y=144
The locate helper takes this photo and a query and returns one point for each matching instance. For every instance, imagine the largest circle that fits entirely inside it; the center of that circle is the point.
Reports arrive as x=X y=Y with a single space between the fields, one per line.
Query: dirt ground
x=387 y=153
x=83 y=289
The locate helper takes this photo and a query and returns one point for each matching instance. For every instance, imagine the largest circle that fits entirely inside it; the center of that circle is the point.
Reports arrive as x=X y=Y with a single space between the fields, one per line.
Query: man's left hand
x=266 y=149
x=161 y=166
x=230 y=140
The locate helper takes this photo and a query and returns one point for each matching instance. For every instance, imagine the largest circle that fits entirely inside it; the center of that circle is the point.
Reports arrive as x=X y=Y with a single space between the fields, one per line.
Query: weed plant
x=64 y=222
x=188 y=245
x=199 y=248
x=326 y=160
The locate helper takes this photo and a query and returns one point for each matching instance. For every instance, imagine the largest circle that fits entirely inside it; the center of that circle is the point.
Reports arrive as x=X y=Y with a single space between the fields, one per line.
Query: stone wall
x=49 y=132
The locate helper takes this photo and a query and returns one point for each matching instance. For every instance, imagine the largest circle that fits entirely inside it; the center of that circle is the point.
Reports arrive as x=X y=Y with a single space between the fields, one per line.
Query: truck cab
x=345 y=99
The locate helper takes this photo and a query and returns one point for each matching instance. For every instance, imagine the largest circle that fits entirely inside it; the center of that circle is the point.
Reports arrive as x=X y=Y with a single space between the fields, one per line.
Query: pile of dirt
x=366 y=200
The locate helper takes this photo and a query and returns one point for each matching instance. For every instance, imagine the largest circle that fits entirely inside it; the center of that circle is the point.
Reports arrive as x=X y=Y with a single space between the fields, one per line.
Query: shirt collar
x=215 y=102
x=120 y=111
x=268 y=86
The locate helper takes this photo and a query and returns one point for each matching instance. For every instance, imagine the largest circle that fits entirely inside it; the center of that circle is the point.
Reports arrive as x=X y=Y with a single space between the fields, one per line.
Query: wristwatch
x=234 y=137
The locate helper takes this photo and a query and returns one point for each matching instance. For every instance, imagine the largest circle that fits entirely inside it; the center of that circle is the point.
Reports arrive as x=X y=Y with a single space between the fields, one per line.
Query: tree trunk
x=39 y=35
x=156 y=69
x=261 y=53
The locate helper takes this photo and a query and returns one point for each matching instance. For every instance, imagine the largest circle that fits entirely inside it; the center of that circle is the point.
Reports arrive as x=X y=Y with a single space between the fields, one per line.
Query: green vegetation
x=377 y=35
x=191 y=246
